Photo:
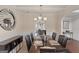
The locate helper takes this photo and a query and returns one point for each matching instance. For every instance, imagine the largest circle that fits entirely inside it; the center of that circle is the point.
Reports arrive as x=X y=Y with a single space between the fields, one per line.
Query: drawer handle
x=14 y=43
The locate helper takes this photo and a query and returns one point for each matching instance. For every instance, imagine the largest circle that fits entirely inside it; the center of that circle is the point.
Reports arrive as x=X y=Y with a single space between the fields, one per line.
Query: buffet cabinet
x=11 y=45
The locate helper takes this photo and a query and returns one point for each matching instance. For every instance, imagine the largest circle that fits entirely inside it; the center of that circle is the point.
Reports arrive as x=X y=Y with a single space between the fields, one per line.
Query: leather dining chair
x=54 y=36
x=64 y=43
x=32 y=37
x=44 y=31
x=40 y=32
x=62 y=40
x=28 y=42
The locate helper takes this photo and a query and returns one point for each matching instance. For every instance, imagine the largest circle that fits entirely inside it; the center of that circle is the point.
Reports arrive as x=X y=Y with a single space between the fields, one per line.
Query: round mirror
x=7 y=19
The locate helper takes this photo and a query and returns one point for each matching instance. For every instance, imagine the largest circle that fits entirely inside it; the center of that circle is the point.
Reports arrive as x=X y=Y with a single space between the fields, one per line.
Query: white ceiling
x=37 y=8
x=73 y=16
x=53 y=9
x=43 y=9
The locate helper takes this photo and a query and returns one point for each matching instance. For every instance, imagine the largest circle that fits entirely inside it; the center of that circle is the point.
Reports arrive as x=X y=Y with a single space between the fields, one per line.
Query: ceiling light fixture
x=35 y=19
x=40 y=17
x=40 y=21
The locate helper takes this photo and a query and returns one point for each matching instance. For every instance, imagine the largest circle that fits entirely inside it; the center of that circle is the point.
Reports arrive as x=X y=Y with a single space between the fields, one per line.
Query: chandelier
x=40 y=17
x=40 y=21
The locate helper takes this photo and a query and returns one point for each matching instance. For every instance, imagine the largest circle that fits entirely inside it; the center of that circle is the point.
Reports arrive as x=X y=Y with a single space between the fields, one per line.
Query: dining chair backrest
x=54 y=36
x=32 y=37
x=28 y=42
x=44 y=31
x=62 y=40
x=64 y=43
x=39 y=32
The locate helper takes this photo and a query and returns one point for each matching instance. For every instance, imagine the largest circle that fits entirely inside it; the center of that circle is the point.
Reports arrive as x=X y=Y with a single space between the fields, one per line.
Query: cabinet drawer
x=14 y=50
x=17 y=48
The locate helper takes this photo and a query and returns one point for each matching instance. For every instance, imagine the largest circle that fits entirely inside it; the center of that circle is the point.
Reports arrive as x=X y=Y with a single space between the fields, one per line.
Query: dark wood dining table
x=39 y=44
x=36 y=46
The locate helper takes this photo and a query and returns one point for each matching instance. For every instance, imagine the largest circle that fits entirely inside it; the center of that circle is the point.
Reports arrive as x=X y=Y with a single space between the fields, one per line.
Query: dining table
x=35 y=46
x=39 y=45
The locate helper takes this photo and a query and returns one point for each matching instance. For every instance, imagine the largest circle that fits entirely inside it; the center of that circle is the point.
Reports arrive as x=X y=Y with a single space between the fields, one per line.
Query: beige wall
x=18 y=27
x=29 y=23
x=25 y=23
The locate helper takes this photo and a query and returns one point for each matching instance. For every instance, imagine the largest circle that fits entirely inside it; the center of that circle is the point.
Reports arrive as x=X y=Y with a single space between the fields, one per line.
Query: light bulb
x=39 y=17
x=6 y=25
x=45 y=18
x=35 y=19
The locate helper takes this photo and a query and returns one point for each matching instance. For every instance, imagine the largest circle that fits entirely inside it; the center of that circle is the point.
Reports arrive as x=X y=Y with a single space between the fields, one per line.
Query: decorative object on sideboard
x=7 y=19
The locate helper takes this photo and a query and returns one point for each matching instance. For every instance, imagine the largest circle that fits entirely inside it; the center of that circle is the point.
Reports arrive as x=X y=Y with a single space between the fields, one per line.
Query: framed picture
x=7 y=19
x=66 y=24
